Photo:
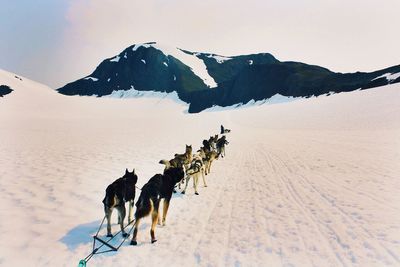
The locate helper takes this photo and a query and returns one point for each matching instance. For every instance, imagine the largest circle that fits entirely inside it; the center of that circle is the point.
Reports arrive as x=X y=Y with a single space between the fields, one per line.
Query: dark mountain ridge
x=237 y=79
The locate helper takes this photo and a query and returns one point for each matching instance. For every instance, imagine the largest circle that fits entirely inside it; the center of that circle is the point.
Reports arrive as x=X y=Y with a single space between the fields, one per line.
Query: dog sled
x=101 y=245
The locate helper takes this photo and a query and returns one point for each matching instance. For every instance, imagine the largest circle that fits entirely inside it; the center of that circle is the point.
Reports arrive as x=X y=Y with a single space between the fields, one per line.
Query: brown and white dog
x=160 y=186
x=179 y=160
x=195 y=170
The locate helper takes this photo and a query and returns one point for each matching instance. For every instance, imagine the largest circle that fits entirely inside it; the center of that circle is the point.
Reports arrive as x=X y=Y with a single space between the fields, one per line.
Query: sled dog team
x=178 y=170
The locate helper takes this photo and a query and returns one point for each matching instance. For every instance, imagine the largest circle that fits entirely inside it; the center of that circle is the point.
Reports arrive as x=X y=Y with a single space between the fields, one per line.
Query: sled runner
x=99 y=243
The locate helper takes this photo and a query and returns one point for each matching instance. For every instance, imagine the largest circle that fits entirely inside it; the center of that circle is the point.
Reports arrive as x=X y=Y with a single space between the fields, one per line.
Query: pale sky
x=58 y=41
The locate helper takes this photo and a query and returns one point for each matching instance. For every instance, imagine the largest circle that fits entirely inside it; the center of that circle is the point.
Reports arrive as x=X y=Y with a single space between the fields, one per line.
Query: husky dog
x=209 y=145
x=208 y=157
x=180 y=159
x=206 y=145
x=173 y=163
x=120 y=191
x=213 y=141
x=196 y=169
x=186 y=157
x=160 y=186
x=224 y=130
x=221 y=145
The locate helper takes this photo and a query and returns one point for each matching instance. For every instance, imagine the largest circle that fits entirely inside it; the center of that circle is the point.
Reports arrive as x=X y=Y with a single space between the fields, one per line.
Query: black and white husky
x=196 y=169
x=224 y=130
x=120 y=191
x=221 y=145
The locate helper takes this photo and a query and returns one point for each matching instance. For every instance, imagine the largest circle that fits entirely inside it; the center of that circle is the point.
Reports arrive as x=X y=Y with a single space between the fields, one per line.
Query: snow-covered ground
x=313 y=182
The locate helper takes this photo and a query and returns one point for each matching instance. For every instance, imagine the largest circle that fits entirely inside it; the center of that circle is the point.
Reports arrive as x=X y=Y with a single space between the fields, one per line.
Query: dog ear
x=133 y=170
x=126 y=171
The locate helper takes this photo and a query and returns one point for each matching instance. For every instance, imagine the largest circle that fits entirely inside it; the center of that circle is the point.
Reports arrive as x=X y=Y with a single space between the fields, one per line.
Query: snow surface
x=91 y=78
x=389 y=76
x=194 y=63
x=313 y=182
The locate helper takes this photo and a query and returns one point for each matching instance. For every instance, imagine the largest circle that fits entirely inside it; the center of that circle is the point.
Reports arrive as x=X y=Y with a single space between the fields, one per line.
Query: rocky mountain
x=4 y=90
x=204 y=80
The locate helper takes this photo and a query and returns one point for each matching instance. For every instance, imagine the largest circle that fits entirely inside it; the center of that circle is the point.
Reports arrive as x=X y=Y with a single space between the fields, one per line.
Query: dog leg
x=187 y=182
x=108 y=213
x=195 y=182
x=135 y=232
x=121 y=215
x=165 y=210
x=159 y=219
x=154 y=219
x=130 y=203
x=204 y=178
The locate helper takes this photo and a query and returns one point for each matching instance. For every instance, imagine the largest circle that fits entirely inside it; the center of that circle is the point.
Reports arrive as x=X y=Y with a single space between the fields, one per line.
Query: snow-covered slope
x=194 y=63
x=313 y=182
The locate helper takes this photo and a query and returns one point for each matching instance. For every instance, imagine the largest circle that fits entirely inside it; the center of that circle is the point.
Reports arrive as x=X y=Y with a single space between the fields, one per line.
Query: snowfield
x=312 y=182
x=197 y=65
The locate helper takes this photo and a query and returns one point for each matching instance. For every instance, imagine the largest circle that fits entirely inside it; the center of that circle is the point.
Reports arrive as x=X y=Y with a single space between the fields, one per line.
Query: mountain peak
x=207 y=79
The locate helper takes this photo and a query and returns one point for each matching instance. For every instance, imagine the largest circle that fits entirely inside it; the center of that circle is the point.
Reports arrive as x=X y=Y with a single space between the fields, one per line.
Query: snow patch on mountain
x=194 y=63
x=218 y=58
x=133 y=93
x=389 y=76
x=115 y=59
x=91 y=78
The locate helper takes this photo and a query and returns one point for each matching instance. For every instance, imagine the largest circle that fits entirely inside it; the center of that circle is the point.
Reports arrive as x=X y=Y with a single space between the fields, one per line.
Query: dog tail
x=166 y=163
x=143 y=206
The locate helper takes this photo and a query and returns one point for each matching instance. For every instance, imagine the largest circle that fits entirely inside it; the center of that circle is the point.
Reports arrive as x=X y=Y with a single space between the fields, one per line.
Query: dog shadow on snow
x=82 y=234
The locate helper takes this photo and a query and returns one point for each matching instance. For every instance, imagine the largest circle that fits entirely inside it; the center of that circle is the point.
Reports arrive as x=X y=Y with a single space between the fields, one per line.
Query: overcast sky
x=58 y=41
